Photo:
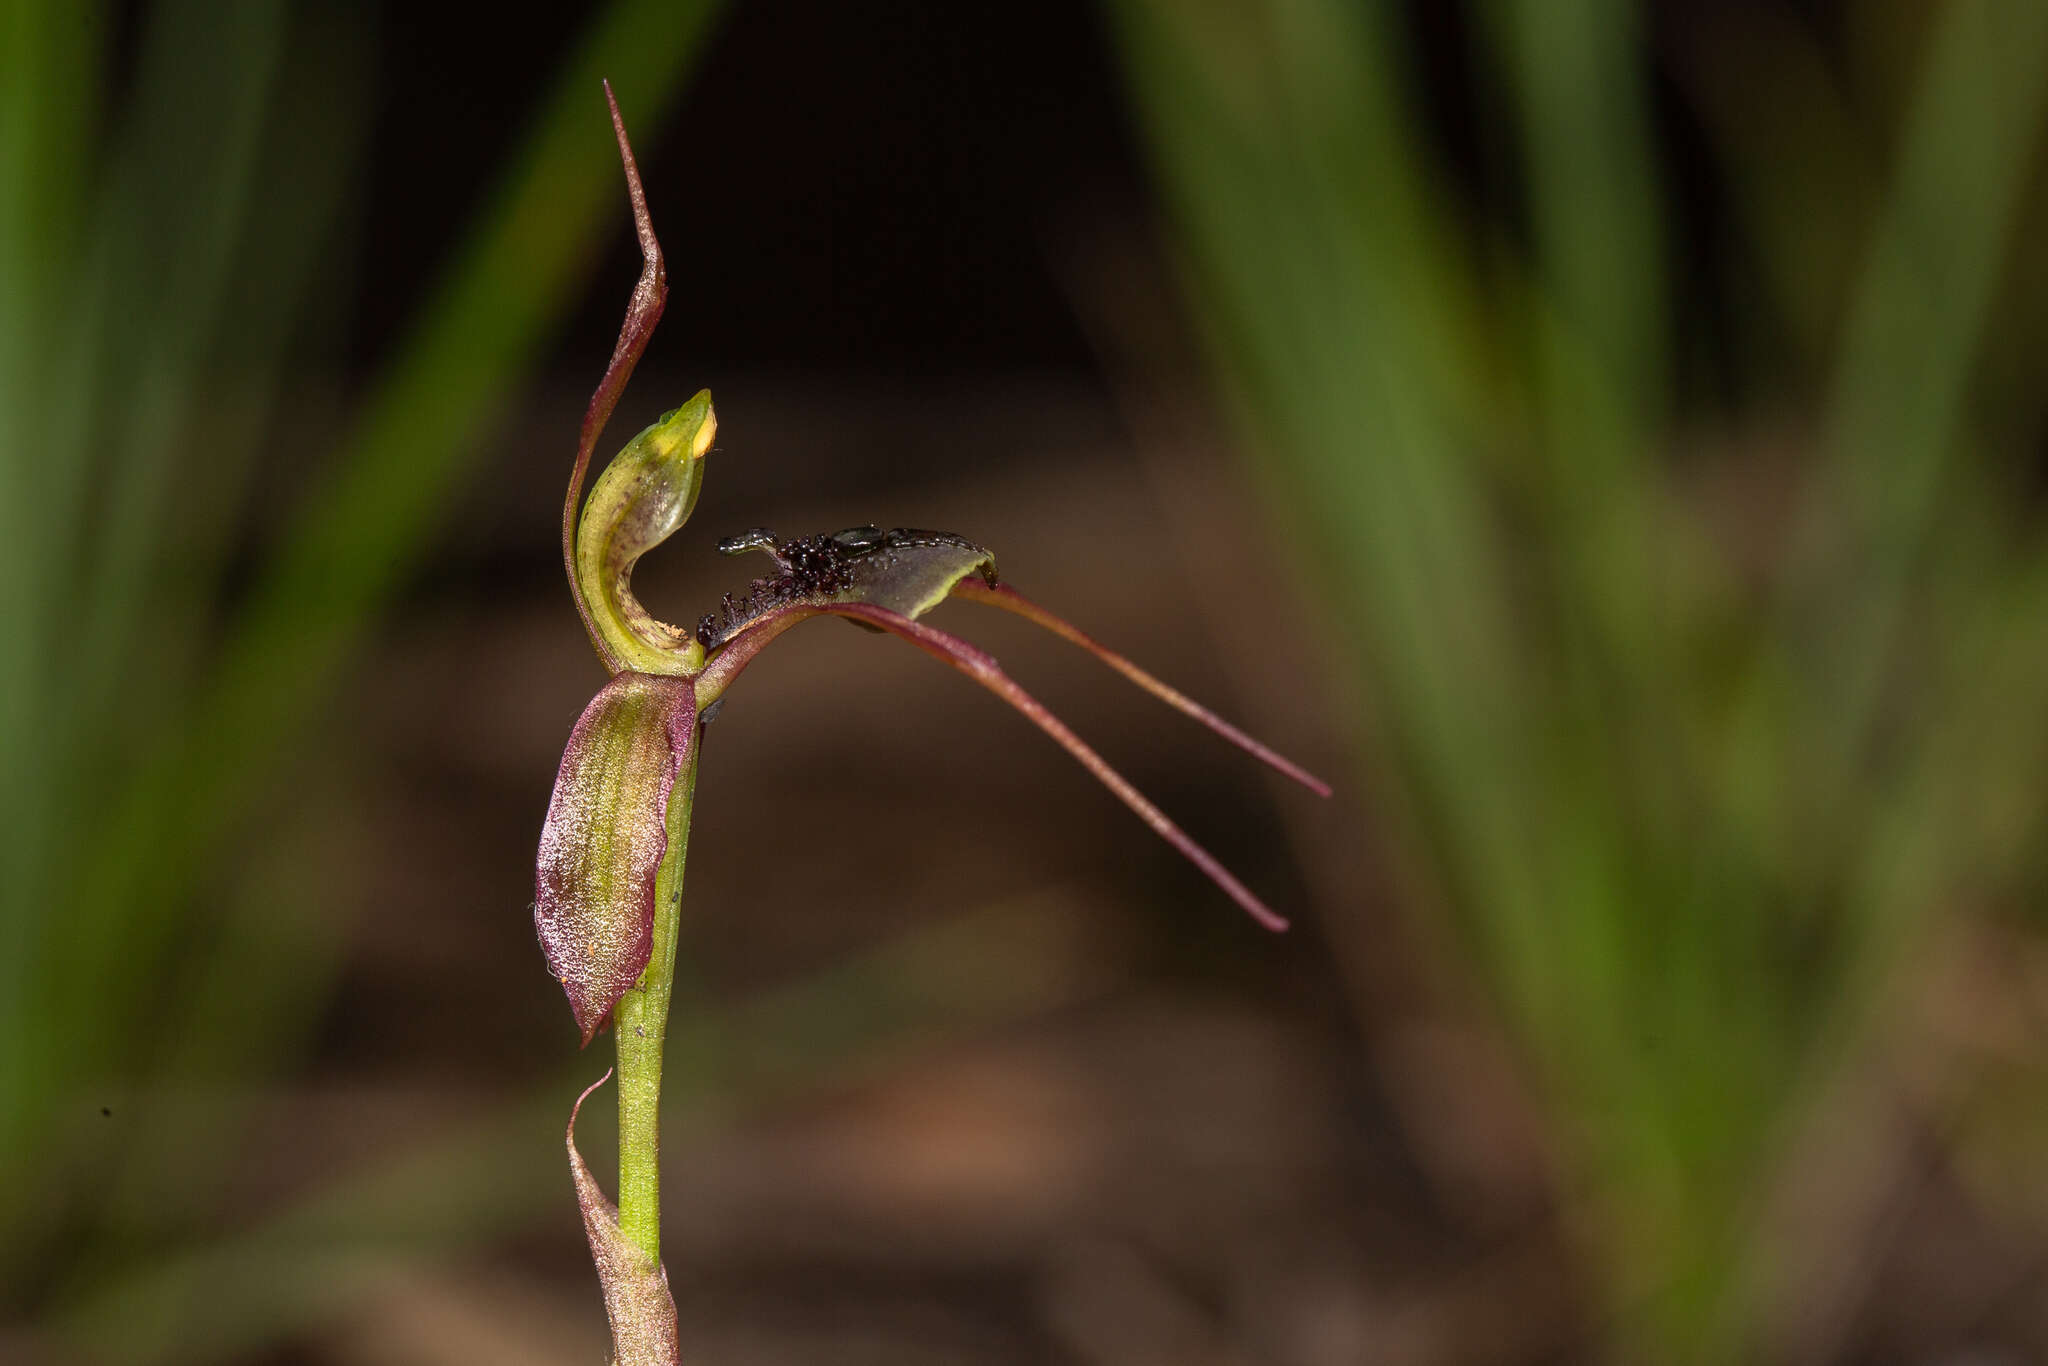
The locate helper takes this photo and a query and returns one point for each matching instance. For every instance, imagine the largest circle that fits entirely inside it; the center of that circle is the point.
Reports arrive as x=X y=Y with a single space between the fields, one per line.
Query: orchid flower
x=610 y=874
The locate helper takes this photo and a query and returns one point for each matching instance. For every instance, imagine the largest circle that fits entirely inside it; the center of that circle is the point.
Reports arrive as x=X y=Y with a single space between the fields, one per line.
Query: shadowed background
x=1604 y=439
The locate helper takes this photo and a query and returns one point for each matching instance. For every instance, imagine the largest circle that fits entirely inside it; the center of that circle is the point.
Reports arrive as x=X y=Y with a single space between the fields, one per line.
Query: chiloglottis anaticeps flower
x=622 y=797
x=606 y=826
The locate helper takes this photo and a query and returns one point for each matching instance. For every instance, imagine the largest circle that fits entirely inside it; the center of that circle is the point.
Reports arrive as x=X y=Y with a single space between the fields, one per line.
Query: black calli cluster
x=810 y=567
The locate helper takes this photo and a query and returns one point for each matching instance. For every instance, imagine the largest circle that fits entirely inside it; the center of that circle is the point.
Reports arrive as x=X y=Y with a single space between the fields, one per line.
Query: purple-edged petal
x=605 y=836
x=636 y=1294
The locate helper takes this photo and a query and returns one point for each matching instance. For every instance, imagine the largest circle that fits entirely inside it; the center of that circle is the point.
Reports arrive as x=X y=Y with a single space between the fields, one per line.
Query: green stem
x=640 y=1024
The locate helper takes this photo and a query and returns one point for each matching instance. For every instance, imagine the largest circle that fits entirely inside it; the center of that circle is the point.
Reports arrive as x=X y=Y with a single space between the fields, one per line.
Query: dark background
x=965 y=1064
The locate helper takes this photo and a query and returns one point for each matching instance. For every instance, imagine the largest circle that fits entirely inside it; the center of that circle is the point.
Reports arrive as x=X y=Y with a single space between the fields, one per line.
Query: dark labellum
x=904 y=569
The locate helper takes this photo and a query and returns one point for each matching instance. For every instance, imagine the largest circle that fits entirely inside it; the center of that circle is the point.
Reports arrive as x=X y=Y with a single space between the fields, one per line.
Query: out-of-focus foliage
x=1689 y=770
x=1703 y=626
x=154 y=267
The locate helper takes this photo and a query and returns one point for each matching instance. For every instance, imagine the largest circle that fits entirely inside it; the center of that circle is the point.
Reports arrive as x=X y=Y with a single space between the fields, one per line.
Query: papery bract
x=637 y=1300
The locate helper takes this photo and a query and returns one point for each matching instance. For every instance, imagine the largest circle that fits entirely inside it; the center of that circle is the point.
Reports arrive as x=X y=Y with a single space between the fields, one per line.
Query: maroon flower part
x=606 y=832
x=609 y=871
x=609 y=823
x=913 y=572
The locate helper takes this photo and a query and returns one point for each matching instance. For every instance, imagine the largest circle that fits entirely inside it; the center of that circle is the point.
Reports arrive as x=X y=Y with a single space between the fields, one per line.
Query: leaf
x=636 y=1294
x=605 y=836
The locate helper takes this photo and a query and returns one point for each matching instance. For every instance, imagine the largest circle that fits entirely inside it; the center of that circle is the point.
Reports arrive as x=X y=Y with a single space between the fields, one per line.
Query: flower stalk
x=640 y=1024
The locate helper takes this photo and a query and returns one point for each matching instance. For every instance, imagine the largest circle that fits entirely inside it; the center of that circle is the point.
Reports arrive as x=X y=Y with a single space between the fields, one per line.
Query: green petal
x=639 y=501
x=606 y=832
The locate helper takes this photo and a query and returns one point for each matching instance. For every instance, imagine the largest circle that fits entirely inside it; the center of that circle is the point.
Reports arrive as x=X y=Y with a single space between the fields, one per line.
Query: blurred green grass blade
x=1326 y=297
x=50 y=78
x=1966 y=816
x=1662 y=942
x=1332 y=279
x=1580 y=73
x=1798 y=167
x=129 y=365
x=169 y=228
x=362 y=533
x=316 y=132
x=1927 y=282
x=1608 y=747
x=1598 y=355
x=304 y=165
x=1896 y=408
x=1580 y=70
x=145 y=310
x=1342 y=316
